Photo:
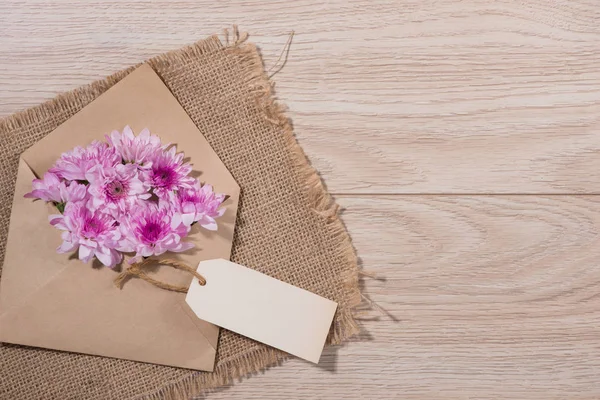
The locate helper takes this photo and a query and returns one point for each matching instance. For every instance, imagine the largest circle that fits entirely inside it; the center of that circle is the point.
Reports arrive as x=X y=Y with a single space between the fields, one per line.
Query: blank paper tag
x=262 y=308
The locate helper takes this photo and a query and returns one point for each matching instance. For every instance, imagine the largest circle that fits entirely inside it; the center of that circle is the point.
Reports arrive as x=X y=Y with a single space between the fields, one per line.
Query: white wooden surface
x=429 y=120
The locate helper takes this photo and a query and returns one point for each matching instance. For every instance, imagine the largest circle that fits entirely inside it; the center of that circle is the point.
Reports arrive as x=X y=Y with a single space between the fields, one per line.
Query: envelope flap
x=31 y=243
x=141 y=100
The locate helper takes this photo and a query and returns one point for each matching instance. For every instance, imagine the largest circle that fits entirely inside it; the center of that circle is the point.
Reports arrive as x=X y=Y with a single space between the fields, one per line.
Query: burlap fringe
x=201 y=382
x=256 y=359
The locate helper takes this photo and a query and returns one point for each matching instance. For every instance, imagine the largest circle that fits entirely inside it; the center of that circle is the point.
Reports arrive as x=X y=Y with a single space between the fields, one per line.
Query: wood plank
x=409 y=96
x=495 y=298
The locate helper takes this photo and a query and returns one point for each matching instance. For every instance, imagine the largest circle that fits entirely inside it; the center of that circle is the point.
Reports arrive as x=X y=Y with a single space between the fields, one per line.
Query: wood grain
x=494 y=297
x=411 y=96
x=394 y=101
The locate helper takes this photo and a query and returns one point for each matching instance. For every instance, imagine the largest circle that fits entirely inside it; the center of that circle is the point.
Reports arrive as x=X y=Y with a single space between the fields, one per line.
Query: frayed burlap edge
x=256 y=359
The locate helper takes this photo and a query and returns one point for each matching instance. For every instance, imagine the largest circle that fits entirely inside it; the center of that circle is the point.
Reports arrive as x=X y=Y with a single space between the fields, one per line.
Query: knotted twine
x=136 y=270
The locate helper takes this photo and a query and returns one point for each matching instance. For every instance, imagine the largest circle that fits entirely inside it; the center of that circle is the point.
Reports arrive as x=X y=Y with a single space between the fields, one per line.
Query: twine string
x=136 y=270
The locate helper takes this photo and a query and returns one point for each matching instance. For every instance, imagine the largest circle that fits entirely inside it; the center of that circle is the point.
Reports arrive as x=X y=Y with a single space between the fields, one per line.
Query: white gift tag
x=262 y=308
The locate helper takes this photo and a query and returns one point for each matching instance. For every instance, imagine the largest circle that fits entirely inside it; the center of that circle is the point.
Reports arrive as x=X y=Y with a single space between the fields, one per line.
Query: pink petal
x=188 y=219
x=208 y=223
x=55 y=219
x=176 y=220
x=104 y=258
x=183 y=246
x=128 y=133
x=66 y=247
x=188 y=208
x=108 y=257
x=158 y=250
x=146 y=251
x=85 y=254
x=144 y=134
x=137 y=187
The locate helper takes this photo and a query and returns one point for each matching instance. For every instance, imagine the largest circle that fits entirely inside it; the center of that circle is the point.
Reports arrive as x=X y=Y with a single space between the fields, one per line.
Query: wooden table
x=461 y=137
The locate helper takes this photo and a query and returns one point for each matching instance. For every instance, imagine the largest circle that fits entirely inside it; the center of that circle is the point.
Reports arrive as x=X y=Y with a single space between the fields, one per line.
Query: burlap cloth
x=287 y=225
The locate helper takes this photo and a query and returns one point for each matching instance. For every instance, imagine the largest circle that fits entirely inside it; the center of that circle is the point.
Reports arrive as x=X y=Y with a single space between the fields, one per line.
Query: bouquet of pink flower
x=130 y=194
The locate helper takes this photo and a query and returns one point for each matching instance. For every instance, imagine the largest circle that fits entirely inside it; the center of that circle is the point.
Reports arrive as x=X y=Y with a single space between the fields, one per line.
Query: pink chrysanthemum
x=116 y=189
x=92 y=232
x=74 y=164
x=151 y=231
x=51 y=188
x=139 y=150
x=132 y=194
x=169 y=173
x=199 y=204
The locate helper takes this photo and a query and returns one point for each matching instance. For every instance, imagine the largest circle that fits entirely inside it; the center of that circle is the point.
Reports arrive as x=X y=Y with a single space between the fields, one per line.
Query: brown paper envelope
x=55 y=301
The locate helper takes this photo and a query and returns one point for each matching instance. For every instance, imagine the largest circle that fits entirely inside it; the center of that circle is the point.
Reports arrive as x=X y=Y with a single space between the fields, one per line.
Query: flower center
x=188 y=196
x=92 y=228
x=116 y=190
x=163 y=177
x=152 y=231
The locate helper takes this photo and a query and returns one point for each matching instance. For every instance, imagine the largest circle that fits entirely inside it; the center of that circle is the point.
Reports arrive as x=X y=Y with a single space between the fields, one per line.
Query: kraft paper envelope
x=55 y=301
